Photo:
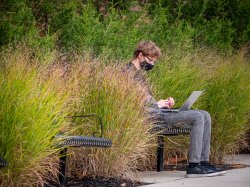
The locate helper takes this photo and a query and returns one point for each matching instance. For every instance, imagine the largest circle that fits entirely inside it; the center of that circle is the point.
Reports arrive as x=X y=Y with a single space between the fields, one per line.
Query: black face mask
x=146 y=66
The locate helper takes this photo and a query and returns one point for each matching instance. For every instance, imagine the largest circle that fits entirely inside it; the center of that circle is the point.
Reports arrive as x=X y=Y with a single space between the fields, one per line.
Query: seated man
x=144 y=59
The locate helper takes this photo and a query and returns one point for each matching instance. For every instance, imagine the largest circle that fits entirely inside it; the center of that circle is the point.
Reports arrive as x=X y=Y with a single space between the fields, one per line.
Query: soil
x=99 y=182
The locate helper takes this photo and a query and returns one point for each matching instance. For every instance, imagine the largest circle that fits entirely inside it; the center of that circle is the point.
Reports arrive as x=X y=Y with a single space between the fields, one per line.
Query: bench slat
x=171 y=130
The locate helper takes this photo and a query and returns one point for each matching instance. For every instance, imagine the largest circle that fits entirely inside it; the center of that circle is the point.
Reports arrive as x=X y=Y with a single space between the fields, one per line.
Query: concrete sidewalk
x=233 y=178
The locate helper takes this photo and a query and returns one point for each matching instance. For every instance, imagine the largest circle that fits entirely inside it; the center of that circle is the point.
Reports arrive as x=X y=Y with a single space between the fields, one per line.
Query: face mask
x=146 y=66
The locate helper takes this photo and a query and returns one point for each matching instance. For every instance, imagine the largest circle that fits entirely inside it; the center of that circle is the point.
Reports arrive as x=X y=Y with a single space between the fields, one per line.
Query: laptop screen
x=191 y=100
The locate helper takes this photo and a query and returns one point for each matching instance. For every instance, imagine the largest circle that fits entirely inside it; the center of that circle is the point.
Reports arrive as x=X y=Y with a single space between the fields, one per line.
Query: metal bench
x=3 y=163
x=79 y=141
x=162 y=131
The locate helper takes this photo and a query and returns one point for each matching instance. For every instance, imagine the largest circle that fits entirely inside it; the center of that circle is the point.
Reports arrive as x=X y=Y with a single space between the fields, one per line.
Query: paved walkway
x=233 y=178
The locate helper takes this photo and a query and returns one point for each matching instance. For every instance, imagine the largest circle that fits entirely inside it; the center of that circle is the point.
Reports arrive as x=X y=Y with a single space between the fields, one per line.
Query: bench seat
x=83 y=141
x=79 y=141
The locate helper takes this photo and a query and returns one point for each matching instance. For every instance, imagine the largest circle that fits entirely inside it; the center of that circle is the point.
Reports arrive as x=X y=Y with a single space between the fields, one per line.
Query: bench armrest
x=90 y=115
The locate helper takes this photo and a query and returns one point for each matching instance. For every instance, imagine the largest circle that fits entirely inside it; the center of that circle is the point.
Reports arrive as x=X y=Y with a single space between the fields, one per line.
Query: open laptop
x=187 y=105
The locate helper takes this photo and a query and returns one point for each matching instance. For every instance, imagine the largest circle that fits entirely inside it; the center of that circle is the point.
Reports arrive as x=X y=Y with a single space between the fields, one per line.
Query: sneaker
x=200 y=171
x=215 y=169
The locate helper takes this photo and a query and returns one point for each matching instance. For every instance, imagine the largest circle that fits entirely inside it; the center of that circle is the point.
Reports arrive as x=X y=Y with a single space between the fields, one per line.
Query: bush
x=16 y=22
x=112 y=30
x=230 y=17
x=216 y=32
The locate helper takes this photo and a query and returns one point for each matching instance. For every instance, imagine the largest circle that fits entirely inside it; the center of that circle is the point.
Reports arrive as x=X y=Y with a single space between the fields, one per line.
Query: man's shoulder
x=130 y=66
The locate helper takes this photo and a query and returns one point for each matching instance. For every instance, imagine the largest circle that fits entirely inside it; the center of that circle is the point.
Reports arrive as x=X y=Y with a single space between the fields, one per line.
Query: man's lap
x=182 y=117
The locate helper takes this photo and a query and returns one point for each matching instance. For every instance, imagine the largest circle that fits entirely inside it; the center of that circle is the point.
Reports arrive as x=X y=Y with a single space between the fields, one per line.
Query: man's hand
x=167 y=103
x=171 y=102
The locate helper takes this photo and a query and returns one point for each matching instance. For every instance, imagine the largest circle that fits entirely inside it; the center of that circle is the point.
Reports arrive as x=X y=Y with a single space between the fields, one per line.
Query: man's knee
x=206 y=115
x=197 y=116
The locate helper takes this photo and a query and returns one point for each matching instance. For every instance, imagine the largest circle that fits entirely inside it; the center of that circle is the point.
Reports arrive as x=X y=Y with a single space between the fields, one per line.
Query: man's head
x=146 y=54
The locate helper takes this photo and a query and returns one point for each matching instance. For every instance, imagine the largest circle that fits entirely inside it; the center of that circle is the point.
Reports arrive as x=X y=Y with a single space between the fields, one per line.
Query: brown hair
x=148 y=48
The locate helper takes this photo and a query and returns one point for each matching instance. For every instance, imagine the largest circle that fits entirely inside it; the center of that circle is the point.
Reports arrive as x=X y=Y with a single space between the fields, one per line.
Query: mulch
x=104 y=182
x=98 y=182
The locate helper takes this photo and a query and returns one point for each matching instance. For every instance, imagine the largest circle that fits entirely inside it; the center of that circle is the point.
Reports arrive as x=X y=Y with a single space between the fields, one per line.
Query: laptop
x=187 y=105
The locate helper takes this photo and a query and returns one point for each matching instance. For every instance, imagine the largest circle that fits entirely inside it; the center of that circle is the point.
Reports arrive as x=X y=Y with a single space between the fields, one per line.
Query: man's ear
x=140 y=56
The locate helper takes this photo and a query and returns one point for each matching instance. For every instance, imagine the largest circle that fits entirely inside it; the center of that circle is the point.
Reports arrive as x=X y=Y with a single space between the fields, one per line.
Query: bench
x=162 y=131
x=79 y=141
x=3 y=163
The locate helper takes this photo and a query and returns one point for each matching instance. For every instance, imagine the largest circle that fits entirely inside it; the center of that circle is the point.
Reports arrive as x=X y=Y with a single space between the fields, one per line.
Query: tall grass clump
x=33 y=105
x=35 y=98
x=225 y=80
x=118 y=99
x=227 y=98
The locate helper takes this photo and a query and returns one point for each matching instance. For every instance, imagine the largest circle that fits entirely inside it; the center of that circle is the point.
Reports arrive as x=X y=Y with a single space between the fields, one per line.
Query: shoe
x=200 y=171
x=215 y=169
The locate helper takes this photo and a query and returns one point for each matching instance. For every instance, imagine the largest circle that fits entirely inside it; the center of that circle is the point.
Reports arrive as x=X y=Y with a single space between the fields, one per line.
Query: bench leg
x=160 y=156
x=62 y=167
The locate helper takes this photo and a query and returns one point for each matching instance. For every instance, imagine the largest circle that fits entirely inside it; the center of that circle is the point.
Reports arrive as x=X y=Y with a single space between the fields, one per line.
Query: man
x=144 y=59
